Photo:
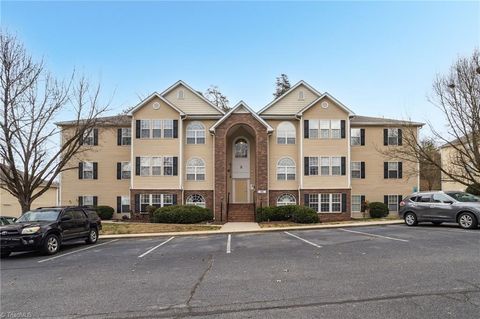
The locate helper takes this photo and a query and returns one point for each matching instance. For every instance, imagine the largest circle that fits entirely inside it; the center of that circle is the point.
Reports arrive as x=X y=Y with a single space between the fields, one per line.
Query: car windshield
x=36 y=216
x=464 y=197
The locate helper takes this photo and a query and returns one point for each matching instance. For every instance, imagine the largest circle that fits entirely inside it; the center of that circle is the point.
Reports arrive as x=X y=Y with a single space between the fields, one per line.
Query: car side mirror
x=65 y=218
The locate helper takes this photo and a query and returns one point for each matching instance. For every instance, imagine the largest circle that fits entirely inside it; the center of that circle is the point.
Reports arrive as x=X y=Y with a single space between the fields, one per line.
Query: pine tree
x=283 y=85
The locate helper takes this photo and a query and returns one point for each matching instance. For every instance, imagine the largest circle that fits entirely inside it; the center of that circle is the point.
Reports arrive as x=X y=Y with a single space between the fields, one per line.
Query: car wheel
x=437 y=223
x=411 y=219
x=51 y=245
x=467 y=221
x=92 y=236
x=5 y=254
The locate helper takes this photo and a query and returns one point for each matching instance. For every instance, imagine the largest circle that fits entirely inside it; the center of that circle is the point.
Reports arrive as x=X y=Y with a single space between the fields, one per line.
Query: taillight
x=402 y=203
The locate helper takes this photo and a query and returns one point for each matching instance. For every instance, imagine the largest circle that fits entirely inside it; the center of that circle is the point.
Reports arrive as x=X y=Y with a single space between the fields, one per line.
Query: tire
x=92 y=236
x=51 y=244
x=411 y=219
x=467 y=220
x=437 y=223
x=5 y=254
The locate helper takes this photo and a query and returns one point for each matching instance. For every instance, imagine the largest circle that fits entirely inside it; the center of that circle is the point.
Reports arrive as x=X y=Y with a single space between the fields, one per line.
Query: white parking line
x=372 y=235
x=438 y=228
x=152 y=249
x=76 y=251
x=304 y=240
x=229 y=241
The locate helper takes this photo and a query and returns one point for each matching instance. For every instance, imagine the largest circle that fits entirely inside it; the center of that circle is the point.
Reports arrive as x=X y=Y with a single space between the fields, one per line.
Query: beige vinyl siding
x=203 y=151
x=326 y=147
x=191 y=103
x=375 y=186
x=107 y=187
x=9 y=205
x=278 y=151
x=290 y=104
x=447 y=154
x=155 y=147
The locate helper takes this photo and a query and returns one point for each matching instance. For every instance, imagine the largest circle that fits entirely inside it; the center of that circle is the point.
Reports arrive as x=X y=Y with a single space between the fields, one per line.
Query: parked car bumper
x=21 y=242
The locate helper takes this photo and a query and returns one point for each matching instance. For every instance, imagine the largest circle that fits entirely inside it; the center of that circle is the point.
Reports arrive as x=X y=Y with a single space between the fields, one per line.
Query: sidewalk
x=253 y=228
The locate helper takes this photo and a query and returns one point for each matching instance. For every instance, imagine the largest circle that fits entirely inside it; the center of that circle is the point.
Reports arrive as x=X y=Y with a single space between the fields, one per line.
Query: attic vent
x=301 y=96
x=156 y=106
x=180 y=95
x=325 y=105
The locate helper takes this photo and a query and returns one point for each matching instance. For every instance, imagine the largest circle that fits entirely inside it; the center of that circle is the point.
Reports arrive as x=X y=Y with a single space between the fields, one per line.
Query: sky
x=378 y=58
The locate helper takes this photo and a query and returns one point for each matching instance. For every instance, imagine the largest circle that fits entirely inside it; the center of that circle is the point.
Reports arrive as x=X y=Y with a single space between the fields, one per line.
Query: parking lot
x=360 y=272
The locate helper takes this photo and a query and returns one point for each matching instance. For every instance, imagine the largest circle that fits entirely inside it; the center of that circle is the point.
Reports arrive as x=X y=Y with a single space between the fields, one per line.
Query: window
x=355 y=137
x=167 y=200
x=286 y=199
x=79 y=215
x=144 y=128
x=325 y=166
x=196 y=200
x=330 y=203
x=392 y=169
x=180 y=94
x=144 y=202
x=168 y=166
x=89 y=138
x=313 y=129
x=336 y=200
x=393 y=203
x=301 y=96
x=441 y=198
x=156 y=128
x=145 y=166
x=241 y=148
x=156 y=200
x=356 y=203
x=325 y=203
x=167 y=128
x=126 y=170
x=125 y=204
x=87 y=200
x=286 y=133
x=336 y=166
x=156 y=163
x=87 y=170
x=195 y=133
x=195 y=169
x=356 y=169
x=126 y=136
x=324 y=129
x=392 y=136
x=286 y=169
x=313 y=201
x=313 y=165
x=336 y=128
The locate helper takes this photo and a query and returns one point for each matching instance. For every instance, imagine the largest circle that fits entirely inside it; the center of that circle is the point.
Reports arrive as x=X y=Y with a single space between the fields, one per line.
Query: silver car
x=438 y=207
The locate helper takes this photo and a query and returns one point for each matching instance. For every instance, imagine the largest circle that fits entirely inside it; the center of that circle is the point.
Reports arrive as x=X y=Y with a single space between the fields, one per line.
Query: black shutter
x=119 y=170
x=400 y=198
x=80 y=200
x=119 y=136
x=342 y=128
x=175 y=128
x=137 y=128
x=305 y=129
x=385 y=169
x=306 y=168
x=174 y=198
x=175 y=166
x=137 y=203
x=344 y=202
x=344 y=165
x=400 y=138
x=362 y=169
x=95 y=201
x=95 y=136
x=362 y=201
x=119 y=204
x=400 y=170
x=80 y=170
x=362 y=136
x=306 y=199
x=385 y=136
x=137 y=166
x=385 y=199
x=95 y=170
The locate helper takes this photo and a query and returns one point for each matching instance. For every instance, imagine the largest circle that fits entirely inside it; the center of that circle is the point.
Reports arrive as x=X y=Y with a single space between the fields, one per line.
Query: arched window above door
x=241 y=148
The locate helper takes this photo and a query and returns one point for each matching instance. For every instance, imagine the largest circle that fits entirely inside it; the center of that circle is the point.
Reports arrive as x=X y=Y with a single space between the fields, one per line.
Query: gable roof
x=151 y=96
x=368 y=120
x=288 y=92
x=247 y=108
x=326 y=94
x=180 y=82
x=115 y=120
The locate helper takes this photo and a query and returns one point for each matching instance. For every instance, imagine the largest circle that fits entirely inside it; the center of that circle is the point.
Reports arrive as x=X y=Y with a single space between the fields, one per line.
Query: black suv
x=46 y=228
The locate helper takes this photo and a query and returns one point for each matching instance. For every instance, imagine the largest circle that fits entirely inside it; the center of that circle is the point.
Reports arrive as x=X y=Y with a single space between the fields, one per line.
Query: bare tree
x=430 y=175
x=31 y=100
x=282 y=85
x=457 y=96
x=214 y=95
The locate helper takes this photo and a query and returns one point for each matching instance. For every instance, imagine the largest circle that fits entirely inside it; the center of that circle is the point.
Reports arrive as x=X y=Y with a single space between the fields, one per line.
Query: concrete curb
x=262 y=230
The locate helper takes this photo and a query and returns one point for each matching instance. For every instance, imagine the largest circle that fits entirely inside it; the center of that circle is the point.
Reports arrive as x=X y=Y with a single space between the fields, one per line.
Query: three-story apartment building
x=304 y=148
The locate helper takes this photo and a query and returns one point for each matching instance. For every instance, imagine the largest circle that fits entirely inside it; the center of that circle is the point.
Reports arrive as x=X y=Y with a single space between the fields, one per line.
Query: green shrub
x=150 y=210
x=305 y=215
x=378 y=210
x=104 y=212
x=182 y=214
x=295 y=213
x=473 y=189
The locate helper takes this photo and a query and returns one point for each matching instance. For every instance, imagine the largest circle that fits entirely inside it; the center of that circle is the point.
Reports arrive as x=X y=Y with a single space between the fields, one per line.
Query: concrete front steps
x=241 y=213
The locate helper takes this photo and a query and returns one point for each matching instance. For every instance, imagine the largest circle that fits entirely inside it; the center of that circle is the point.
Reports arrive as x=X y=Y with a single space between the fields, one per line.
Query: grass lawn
x=142 y=228
x=291 y=224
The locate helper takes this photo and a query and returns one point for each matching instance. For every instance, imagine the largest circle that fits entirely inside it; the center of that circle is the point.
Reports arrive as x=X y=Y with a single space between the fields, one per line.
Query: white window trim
x=121 y=172
x=150 y=200
x=84 y=170
x=319 y=128
x=123 y=130
x=359 y=170
x=196 y=134
x=284 y=169
x=397 y=170
x=279 y=203
x=286 y=133
x=359 y=136
x=330 y=203
x=392 y=136
x=352 y=204
x=87 y=196
x=195 y=170
x=330 y=166
x=150 y=166
x=126 y=198
x=162 y=129
x=189 y=200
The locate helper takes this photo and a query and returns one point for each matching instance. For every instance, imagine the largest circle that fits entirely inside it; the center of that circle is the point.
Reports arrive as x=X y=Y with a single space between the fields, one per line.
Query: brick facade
x=330 y=217
x=142 y=216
